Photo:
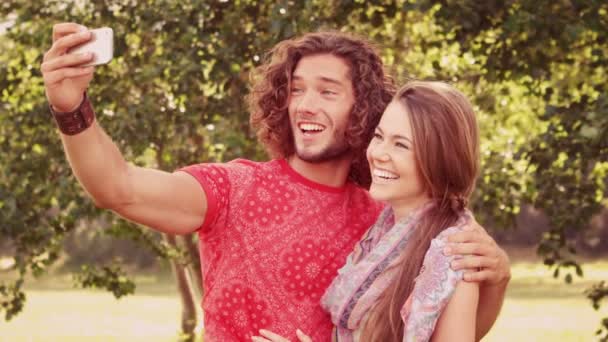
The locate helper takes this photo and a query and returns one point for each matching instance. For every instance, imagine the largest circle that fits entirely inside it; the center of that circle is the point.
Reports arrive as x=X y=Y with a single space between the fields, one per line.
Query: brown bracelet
x=76 y=121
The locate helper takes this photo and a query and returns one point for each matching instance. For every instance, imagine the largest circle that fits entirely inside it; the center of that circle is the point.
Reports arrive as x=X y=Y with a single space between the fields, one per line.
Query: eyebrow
x=323 y=79
x=396 y=135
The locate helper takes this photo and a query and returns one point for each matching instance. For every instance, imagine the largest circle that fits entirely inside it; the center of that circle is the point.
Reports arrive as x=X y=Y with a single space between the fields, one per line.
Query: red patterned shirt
x=271 y=243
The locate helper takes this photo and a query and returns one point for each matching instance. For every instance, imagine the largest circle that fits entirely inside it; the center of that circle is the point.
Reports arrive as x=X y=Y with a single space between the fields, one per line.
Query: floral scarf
x=368 y=272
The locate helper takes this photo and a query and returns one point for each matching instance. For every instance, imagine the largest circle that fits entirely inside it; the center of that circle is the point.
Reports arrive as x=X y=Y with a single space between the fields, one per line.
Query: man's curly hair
x=269 y=97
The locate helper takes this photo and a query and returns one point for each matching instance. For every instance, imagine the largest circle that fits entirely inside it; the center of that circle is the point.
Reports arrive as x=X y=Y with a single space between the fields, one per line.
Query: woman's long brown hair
x=446 y=148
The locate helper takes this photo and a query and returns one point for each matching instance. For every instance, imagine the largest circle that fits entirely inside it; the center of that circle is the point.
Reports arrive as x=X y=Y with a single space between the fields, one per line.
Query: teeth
x=311 y=127
x=385 y=174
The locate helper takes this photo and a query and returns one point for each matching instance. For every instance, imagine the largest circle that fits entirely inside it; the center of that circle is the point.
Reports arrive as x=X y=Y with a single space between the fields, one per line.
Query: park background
x=536 y=71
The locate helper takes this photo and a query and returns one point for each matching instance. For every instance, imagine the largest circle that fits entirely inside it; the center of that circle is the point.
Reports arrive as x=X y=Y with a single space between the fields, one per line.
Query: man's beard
x=336 y=150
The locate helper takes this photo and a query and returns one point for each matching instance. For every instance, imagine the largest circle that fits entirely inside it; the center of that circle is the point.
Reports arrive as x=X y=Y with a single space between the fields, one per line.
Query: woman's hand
x=268 y=336
x=482 y=259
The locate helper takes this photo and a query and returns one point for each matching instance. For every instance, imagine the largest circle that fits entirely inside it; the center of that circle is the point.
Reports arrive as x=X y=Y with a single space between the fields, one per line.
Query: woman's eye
x=377 y=136
x=328 y=92
x=296 y=90
x=401 y=145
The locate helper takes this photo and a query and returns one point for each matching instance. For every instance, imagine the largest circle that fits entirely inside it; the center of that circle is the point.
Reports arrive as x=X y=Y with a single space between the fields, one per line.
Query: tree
x=570 y=158
x=558 y=51
x=173 y=96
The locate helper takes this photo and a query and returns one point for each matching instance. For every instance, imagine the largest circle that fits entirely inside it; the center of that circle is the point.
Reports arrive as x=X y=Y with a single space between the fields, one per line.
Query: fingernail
x=82 y=28
x=467 y=227
x=447 y=250
x=455 y=265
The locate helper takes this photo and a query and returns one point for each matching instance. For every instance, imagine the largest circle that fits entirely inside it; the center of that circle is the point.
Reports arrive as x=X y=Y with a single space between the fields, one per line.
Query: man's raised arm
x=169 y=202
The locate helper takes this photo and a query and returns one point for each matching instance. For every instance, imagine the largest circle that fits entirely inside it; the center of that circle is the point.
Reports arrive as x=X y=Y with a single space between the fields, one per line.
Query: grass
x=537 y=308
x=541 y=308
x=55 y=311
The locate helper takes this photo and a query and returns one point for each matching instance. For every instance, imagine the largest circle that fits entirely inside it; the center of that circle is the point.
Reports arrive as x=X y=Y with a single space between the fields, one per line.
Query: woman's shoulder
x=442 y=238
x=435 y=257
x=446 y=233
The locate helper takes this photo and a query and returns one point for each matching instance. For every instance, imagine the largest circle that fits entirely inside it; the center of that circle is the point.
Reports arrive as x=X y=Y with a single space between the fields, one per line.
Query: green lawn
x=537 y=308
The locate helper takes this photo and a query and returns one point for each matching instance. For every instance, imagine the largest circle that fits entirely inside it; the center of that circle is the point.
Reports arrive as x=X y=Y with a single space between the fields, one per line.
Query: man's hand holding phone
x=67 y=67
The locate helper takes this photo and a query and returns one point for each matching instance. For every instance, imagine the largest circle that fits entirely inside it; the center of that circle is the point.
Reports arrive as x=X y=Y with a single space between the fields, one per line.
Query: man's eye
x=328 y=92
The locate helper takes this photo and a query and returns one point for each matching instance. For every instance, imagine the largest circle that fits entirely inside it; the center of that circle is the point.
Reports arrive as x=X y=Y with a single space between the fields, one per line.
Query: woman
x=397 y=285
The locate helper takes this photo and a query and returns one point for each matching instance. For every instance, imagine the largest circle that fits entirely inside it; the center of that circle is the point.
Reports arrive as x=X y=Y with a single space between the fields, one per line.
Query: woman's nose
x=379 y=152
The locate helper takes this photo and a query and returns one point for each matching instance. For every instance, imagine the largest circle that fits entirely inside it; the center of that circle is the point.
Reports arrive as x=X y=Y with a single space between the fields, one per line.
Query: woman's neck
x=404 y=208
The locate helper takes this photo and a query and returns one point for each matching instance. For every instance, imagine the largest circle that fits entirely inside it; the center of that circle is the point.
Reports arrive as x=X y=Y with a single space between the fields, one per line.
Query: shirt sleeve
x=433 y=289
x=216 y=179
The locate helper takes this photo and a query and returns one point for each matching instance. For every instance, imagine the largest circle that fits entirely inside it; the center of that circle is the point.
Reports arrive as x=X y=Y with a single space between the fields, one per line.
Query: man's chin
x=310 y=157
x=322 y=156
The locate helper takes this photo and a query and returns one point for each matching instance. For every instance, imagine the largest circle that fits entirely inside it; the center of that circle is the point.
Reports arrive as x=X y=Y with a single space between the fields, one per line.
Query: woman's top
x=368 y=272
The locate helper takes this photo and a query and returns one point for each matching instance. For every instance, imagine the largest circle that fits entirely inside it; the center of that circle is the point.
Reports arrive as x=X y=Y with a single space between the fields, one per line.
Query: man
x=272 y=235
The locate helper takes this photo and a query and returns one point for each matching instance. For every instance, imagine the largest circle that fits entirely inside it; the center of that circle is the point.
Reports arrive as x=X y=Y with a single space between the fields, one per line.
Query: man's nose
x=307 y=103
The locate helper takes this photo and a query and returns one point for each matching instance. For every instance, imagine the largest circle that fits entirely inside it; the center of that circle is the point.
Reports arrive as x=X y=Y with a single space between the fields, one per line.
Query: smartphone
x=101 y=45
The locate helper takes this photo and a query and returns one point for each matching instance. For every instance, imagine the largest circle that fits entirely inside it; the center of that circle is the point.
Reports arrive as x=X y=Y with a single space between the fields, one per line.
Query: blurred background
x=536 y=70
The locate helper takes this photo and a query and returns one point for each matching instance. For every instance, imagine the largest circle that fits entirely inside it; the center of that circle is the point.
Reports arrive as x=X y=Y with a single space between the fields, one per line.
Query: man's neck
x=331 y=173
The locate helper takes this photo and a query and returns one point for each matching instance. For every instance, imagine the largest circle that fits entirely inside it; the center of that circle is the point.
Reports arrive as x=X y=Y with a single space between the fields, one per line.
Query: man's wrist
x=76 y=121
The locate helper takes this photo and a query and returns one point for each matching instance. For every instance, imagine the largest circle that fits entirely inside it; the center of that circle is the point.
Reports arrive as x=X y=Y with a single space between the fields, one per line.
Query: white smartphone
x=101 y=45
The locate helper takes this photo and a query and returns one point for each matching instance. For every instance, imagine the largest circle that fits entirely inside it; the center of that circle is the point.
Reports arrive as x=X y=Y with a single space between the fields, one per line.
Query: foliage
x=173 y=96
x=111 y=278
x=13 y=298
x=596 y=293
x=536 y=71
x=558 y=51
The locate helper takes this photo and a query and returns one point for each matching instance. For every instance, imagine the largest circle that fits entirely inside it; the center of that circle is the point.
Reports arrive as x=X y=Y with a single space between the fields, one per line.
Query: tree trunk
x=189 y=318
x=195 y=266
